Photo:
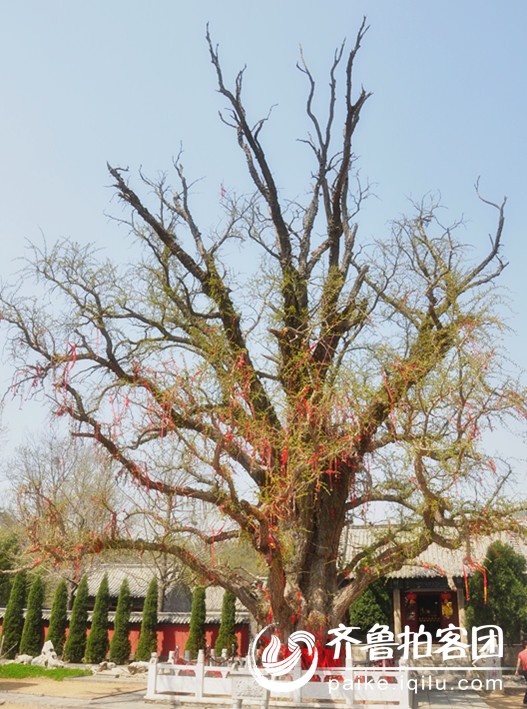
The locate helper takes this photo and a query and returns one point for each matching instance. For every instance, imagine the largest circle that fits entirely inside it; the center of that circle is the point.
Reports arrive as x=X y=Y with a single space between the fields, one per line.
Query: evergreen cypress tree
x=33 y=632
x=97 y=643
x=14 y=617
x=120 y=645
x=504 y=602
x=76 y=640
x=372 y=606
x=196 y=633
x=59 y=618
x=226 y=636
x=148 y=637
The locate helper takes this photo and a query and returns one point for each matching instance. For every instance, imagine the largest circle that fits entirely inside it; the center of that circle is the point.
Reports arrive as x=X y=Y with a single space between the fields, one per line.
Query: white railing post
x=152 y=676
x=265 y=701
x=200 y=674
x=297 y=694
x=406 y=700
x=350 y=673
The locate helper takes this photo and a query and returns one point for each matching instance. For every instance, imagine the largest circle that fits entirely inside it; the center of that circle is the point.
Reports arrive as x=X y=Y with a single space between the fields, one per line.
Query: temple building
x=432 y=589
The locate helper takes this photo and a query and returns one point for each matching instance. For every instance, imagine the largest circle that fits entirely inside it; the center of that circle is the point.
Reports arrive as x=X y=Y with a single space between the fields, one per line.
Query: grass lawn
x=16 y=671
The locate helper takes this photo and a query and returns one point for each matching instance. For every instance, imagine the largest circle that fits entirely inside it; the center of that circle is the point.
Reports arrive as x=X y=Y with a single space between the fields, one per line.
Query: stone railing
x=235 y=687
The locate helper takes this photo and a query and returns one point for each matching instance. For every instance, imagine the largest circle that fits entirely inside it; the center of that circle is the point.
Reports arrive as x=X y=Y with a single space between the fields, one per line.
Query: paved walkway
x=124 y=700
x=435 y=700
x=134 y=700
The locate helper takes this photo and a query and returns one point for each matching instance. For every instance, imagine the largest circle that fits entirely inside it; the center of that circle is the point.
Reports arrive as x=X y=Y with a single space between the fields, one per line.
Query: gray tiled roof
x=436 y=560
x=162 y=618
x=139 y=577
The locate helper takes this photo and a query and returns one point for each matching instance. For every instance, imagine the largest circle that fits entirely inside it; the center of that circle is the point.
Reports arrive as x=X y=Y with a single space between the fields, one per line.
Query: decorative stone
x=55 y=662
x=48 y=657
x=24 y=659
x=40 y=661
x=137 y=667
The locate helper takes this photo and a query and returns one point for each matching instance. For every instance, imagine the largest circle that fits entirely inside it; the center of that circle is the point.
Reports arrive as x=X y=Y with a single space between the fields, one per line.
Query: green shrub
x=148 y=637
x=59 y=618
x=76 y=641
x=372 y=606
x=97 y=643
x=14 y=617
x=506 y=596
x=226 y=637
x=120 y=645
x=33 y=632
x=196 y=633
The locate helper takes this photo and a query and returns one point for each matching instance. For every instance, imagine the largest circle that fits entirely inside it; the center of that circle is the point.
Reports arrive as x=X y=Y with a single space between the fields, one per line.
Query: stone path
x=441 y=700
x=428 y=699
x=124 y=700
x=134 y=700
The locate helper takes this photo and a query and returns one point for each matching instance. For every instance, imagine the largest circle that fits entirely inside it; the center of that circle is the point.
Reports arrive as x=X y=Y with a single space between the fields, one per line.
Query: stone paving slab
x=450 y=698
x=135 y=700
x=124 y=700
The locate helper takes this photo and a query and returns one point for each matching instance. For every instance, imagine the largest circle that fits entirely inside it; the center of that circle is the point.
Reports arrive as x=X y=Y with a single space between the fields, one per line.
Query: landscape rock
x=137 y=667
x=48 y=657
x=40 y=661
x=24 y=659
x=104 y=666
x=55 y=662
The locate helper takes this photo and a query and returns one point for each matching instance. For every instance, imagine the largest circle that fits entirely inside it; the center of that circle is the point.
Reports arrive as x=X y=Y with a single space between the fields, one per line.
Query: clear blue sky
x=127 y=80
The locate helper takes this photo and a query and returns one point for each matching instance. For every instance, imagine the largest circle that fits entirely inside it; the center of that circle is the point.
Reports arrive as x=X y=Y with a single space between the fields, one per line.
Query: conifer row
x=26 y=636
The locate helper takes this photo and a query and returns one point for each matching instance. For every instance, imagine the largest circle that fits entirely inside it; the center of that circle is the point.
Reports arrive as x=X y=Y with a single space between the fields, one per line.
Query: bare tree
x=64 y=491
x=330 y=381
